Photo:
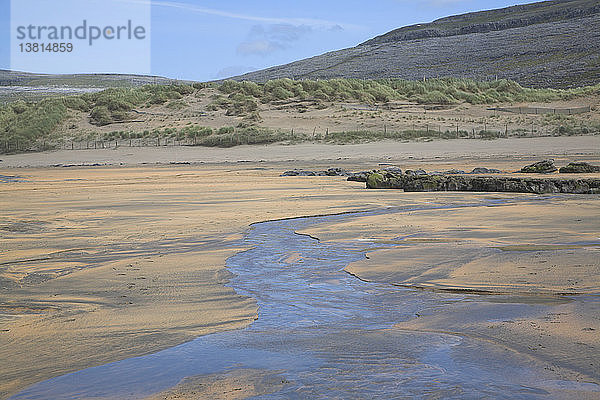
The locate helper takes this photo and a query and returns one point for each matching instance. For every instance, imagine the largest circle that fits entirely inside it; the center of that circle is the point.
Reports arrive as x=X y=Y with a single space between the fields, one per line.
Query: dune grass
x=27 y=123
x=431 y=91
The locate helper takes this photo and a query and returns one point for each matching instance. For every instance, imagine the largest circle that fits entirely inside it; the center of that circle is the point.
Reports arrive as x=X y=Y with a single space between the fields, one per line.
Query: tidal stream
x=328 y=334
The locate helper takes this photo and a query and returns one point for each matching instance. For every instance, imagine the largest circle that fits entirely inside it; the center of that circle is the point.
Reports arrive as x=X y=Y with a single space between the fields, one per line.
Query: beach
x=112 y=254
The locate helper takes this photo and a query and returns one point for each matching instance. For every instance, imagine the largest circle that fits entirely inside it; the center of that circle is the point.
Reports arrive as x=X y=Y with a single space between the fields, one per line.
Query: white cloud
x=247 y=17
x=263 y=40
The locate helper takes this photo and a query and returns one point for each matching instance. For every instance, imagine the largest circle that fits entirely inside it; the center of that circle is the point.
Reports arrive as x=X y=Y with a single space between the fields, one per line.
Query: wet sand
x=233 y=385
x=545 y=251
x=104 y=263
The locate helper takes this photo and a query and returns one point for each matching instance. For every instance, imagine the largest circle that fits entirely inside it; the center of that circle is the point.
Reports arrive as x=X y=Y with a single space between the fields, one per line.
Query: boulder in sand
x=579 y=168
x=540 y=167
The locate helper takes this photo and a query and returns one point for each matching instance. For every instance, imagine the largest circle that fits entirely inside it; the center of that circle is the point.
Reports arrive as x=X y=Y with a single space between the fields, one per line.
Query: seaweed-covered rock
x=483 y=170
x=359 y=176
x=579 y=168
x=376 y=180
x=540 y=167
x=463 y=183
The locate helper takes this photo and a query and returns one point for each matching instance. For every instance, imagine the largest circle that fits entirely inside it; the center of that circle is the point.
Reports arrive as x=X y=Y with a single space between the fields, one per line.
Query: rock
x=329 y=172
x=298 y=172
x=579 y=168
x=337 y=172
x=417 y=172
x=454 y=171
x=359 y=176
x=393 y=169
x=483 y=170
x=540 y=167
x=462 y=183
x=376 y=181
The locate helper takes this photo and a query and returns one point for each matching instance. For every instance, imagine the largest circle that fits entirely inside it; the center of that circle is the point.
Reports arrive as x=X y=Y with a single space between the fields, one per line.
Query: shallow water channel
x=328 y=334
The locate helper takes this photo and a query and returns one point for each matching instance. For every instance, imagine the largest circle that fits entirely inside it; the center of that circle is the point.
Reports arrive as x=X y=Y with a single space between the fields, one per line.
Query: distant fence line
x=543 y=110
x=418 y=132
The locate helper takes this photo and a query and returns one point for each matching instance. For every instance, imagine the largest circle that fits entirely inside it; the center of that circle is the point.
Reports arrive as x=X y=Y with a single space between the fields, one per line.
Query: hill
x=547 y=44
x=16 y=85
x=17 y=78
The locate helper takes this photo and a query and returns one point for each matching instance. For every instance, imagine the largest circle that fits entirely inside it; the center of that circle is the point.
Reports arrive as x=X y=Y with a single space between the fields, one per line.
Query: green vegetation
x=25 y=123
x=195 y=135
x=32 y=123
x=431 y=91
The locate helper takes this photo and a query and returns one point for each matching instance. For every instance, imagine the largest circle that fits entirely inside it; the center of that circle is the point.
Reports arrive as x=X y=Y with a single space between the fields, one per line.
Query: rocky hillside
x=548 y=44
x=17 y=78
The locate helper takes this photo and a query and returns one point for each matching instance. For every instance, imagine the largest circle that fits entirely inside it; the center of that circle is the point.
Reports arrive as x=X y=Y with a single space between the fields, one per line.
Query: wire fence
x=544 y=110
x=416 y=132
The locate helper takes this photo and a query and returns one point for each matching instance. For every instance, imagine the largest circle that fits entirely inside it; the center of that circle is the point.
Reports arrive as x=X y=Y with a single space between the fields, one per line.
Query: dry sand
x=104 y=263
x=502 y=153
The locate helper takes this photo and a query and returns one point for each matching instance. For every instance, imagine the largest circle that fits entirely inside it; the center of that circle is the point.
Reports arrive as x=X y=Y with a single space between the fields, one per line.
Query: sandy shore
x=104 y=263
x=503 y=151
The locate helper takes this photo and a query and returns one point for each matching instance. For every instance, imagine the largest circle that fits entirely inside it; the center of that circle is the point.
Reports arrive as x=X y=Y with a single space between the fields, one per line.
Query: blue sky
x=204 y=40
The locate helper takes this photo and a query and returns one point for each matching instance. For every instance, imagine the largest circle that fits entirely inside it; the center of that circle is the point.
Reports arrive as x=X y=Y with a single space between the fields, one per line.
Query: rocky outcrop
x=489 y=21
x=462 y=183
x=540 y=167
x=329 y=172
x=483 y=170
x=579 y=168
